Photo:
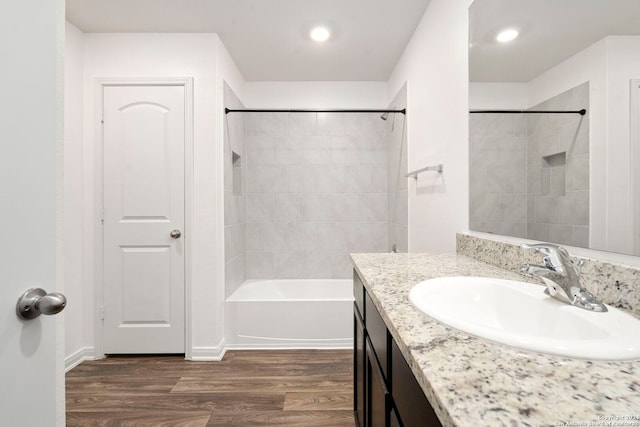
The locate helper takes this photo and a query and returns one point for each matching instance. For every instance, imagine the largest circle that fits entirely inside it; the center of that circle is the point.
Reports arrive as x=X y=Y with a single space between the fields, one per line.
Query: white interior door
x=144 y=209
x=31 y=351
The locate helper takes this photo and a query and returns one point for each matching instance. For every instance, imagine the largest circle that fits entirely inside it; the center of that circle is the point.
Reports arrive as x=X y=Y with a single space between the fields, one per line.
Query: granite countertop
x=474 y=382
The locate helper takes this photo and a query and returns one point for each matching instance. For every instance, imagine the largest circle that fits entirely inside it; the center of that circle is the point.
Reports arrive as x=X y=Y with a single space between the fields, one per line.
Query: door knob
x=36 y=301
x=175 y=234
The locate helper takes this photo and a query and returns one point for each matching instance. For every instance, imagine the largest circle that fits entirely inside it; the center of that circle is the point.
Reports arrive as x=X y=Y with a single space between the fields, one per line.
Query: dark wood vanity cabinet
x=385 y=391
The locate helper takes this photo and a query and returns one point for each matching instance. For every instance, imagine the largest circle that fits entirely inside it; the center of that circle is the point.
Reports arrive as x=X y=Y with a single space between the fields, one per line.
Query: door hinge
x=102 y=312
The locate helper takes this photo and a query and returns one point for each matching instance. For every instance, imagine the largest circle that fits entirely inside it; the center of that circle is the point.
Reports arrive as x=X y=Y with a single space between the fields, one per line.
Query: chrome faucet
x=561 y=277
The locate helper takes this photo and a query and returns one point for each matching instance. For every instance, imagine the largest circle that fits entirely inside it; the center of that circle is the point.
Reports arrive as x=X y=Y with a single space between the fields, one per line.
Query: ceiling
x=268 y=39
x=550 y=32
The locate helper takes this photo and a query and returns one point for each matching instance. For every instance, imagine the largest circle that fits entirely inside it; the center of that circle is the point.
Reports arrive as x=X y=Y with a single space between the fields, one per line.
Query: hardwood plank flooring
x=305 y=388
x=295 y=401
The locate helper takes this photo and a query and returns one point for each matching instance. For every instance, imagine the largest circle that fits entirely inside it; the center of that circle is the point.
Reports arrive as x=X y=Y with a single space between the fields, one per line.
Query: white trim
x=187 y=82
x=73 y=360
x=634 y=157
x=300 y=345
x=97 y=224
x=189 y=210
x=208 y=354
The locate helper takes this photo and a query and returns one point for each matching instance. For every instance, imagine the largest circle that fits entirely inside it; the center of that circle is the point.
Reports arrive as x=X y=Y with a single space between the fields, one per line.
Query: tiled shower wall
x=398 y=225
x=529 y=174
x=558 y=170
x=316 y=189
x=234 y=198
x=497 y=174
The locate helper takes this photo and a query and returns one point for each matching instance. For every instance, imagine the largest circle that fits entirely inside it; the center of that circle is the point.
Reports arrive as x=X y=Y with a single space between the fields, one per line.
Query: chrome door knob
x=36 y=301
x=175 y=234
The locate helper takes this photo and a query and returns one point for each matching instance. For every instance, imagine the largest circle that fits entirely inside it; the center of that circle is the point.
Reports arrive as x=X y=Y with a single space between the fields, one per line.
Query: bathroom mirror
x=560 y=177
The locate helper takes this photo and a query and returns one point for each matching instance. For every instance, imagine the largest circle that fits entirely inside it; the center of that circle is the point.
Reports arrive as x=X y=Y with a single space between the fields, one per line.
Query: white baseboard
x=76 y=358
x=287 y=347
x=213 y=354
x=244 y=342
x=207 y=354
x=290 y=346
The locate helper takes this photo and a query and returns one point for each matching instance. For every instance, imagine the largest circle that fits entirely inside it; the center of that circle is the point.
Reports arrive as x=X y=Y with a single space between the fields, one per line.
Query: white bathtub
x=290 y=314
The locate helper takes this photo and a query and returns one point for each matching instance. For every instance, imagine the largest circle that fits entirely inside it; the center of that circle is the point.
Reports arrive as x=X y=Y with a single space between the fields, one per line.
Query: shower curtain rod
x=581 y=112
x=302 y=110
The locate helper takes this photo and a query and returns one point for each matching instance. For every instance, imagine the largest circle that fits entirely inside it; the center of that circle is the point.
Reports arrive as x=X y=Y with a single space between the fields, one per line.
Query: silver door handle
x=175 y=234
x=36 y=301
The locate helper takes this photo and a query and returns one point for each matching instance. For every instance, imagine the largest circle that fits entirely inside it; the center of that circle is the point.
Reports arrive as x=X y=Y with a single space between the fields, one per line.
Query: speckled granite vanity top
x=474 y=382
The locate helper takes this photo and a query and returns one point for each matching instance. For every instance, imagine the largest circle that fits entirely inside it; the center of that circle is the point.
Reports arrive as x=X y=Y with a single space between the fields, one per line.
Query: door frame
x=634 y=157
x=100 y=84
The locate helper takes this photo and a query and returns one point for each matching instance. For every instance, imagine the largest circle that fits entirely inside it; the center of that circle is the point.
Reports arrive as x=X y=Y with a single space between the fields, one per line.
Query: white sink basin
x=521 y=315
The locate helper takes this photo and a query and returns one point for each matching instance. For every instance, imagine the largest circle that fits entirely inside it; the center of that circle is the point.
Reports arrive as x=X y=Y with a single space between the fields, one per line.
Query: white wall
x=78 y=331
x=434 y=65
x=316 y=95
x=623 y=65
x=498 y=96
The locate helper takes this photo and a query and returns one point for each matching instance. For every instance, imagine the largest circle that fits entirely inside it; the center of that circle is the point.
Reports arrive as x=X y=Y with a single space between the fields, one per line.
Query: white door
x=143 y=175
x=31 y=367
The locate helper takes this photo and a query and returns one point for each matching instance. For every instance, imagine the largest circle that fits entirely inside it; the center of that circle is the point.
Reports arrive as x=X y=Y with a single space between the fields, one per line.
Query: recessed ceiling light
x=320 y=34
x=507 y=35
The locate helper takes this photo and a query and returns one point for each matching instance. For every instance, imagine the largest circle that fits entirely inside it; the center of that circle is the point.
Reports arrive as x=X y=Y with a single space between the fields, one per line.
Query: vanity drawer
x=377 y=332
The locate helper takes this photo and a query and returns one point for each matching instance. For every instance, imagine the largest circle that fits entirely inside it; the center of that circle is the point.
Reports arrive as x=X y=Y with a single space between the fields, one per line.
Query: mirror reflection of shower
x=529 y=172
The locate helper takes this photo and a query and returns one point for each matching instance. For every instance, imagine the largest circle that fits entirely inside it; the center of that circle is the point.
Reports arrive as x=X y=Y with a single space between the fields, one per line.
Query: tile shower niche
x=529 y=173
x=553 y=175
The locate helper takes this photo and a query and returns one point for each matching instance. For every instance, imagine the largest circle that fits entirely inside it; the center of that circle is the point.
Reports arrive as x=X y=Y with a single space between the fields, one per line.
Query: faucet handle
x=557 y=256
x=546 y=248
x=546 y=261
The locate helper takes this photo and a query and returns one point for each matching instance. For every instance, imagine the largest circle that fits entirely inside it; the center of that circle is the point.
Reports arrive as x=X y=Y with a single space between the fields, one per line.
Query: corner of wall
x=78 y=316
x=77 y=357
x=207 y=354
x=434 y=67
x=227 y=74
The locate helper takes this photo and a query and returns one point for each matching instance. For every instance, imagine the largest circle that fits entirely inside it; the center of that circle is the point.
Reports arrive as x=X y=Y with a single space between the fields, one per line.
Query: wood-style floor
x=303 y=388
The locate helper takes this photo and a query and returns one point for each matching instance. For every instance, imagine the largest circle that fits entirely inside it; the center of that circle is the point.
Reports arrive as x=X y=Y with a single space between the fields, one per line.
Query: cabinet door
x=377 y=334
x=358 y=369
x=377 y=394
x=412 y=405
